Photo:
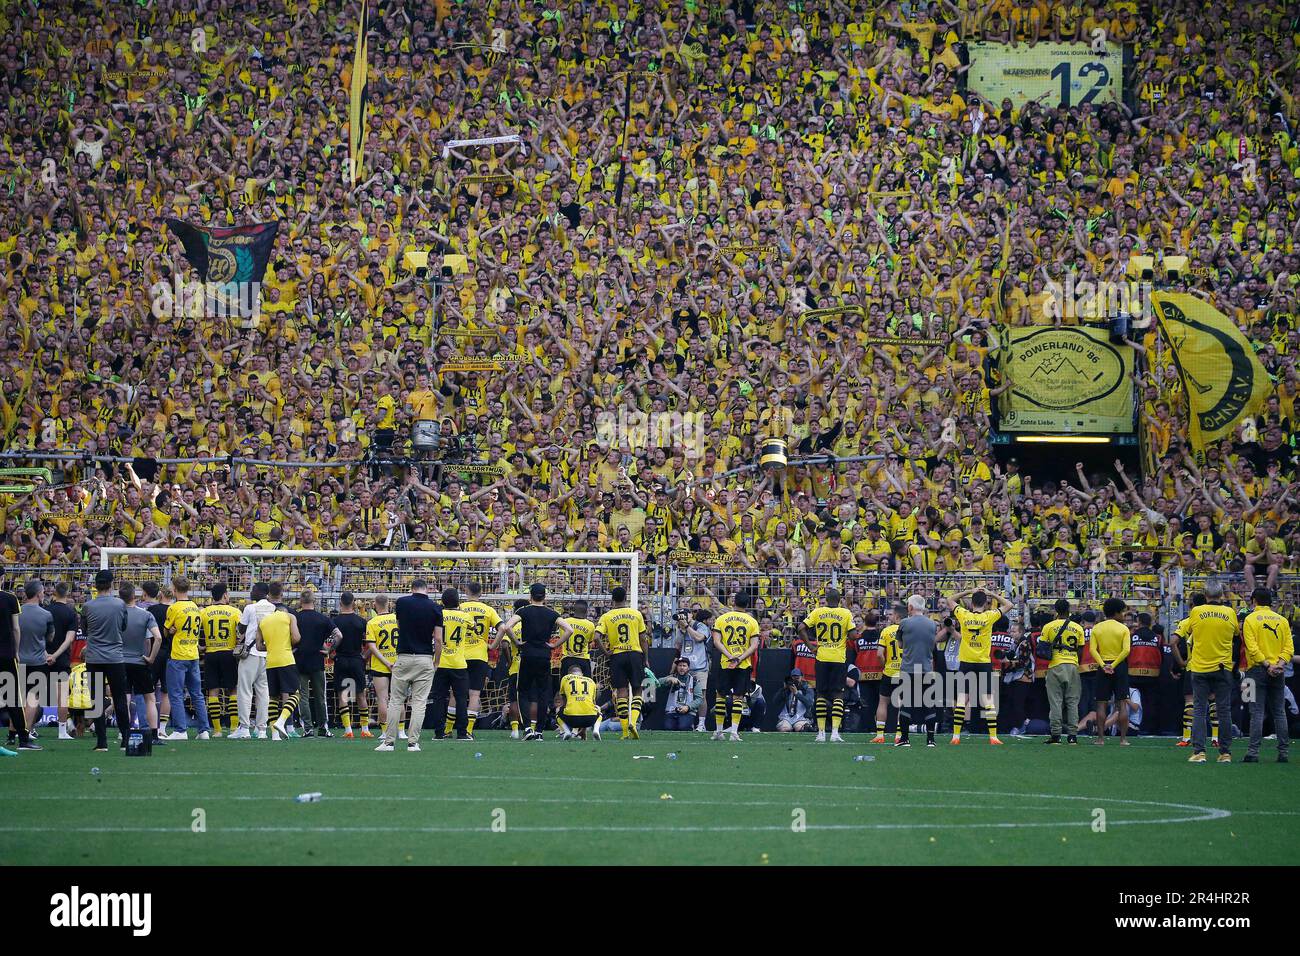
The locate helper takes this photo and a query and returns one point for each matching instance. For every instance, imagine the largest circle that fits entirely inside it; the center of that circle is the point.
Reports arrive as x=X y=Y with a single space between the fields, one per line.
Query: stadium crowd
x=733 y=214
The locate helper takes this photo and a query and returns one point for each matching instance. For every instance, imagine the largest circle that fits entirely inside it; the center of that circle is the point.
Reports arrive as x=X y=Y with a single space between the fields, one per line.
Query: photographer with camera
x=693 y=639
x=793 y=704
x=682 y=705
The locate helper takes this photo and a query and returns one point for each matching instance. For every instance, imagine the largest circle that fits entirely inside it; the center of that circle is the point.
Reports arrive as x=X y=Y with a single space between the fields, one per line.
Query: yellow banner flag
x=357 y=100
x=1221 y=374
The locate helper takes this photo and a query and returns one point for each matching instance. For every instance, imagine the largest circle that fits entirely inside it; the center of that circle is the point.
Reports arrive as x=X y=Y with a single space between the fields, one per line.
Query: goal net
x=504 y=576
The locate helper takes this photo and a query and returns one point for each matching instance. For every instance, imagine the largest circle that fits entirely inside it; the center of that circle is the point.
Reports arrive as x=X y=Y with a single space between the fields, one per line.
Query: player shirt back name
x=1212 y=628
x=622 y=628
x=381 y=630
x=457 y=626
x=485 y=618
x=831 y=627
x=185 y=625
x=579 y=695
x=736 y=630
x=976 y=634
x=219 y=621
x=578 y=643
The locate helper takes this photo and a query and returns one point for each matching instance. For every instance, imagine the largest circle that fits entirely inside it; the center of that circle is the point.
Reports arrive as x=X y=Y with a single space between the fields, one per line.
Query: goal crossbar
x=502 y=558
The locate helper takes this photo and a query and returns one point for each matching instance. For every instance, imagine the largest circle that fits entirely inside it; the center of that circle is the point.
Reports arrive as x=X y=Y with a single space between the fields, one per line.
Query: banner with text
x=1062 y=74
x=1066 y=380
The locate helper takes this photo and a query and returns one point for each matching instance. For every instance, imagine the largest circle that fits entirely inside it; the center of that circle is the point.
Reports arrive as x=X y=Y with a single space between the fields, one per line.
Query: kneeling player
x=830 y=627
x=578 y=704
x=735 y=636
x=621 y=628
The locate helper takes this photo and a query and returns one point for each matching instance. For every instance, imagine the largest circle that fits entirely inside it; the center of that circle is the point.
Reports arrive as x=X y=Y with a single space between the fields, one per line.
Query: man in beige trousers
x=419 y=630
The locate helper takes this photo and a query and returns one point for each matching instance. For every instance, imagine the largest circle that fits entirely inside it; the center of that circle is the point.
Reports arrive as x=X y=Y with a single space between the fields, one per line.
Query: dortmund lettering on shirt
x=1212 y=628
x=485 y=618
x=735 y=630
x=830 y=626
x=890 y=652
x=579 y=695
x=578 y=643
x=1066 y=638
x=185 y=625
x=219 y=622
x=457 y=627
x=976 y=634
x=622 y=628
x=381 y=631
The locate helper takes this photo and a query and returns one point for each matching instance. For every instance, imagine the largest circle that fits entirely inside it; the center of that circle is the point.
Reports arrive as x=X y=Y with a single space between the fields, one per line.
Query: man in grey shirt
x=104 y=620
x=141 y=640
x=916 y=640
x=35 y=629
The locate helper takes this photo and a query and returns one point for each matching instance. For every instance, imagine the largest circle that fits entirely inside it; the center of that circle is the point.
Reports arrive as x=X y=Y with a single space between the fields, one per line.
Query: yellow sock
x=473 y=719
x=720 y=712
x=991 y=719
x=635 y=718
x=622 y=708
x=820 y=709
x=214 y=711
x=737 y=705
x=837 y=715
x=1187 y=720
x=346 y=717
x=514 y=725
x=232 y=712
x=451 y=723
x=958 y=720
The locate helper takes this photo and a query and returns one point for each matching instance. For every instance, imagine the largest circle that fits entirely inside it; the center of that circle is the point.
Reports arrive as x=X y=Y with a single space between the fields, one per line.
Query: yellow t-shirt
x=1267 y=635
x=578 y=644
x=277 y=634
x=622 y=628
x=890 y=652
x=381 y=631
x=579 y=695
x=457 y=627
x=184 y=623
x=1066 y=638
x=735 y=629
x=1109 y=642
x=1210 y=630
x=485 y=619
x=976 y=634
x=219 y=621
x=830 y=628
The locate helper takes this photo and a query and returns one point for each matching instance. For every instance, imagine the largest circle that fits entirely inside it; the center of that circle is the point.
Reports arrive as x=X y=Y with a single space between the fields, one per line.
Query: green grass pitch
x=558 y=802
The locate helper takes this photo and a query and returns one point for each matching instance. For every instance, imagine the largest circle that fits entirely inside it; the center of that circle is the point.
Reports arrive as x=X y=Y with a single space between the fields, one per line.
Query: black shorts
x=975 y=667
x=282 y=680
x=581 y=722
x=139 y=679
x=378 y=675
x=220 y=671
x=830 y=676
x=349 y=675
x=478 y=673
x=1107 y=684
x=583 y=662
x=534 y=678
x=159 y=670
x=627 y=669
x=734 y=682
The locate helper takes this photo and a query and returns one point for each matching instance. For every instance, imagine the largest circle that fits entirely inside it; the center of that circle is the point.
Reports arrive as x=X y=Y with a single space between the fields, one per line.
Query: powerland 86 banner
x=1065 y=74
x=1068 y=380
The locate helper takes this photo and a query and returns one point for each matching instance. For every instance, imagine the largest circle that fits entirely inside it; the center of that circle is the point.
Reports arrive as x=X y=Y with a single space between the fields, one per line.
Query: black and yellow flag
x=357 y=102
x=1224 y=380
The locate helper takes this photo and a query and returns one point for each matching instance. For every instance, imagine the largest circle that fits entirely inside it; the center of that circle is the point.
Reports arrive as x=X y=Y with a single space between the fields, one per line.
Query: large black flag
x=231 y=260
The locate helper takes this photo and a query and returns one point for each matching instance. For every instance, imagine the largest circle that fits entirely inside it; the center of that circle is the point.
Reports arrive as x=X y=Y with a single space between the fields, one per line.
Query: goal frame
x=630 y=557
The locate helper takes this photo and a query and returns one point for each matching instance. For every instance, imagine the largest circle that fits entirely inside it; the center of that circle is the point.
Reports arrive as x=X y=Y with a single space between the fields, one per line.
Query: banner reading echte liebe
x=230 y=261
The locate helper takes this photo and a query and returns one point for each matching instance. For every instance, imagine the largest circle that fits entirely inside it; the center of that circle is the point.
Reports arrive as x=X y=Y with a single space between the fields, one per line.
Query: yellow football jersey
x=277 y=634
x=622 y=629
x=1268 y=637
x=219 y=632
x=579 y=695
x=457 y=626
x=184 y=622
x=1066 y=638
x=578 y=644
x=485 y=619
x=1110 y=642
x=976 y=634
x=1211 y=628
x=890 y=652
x=735 y=629
x=830 y=627
x=381 y=631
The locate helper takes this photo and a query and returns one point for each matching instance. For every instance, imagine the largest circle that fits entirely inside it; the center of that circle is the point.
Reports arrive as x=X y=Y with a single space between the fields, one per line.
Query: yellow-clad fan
x=1065 y=638
x=830 y=627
